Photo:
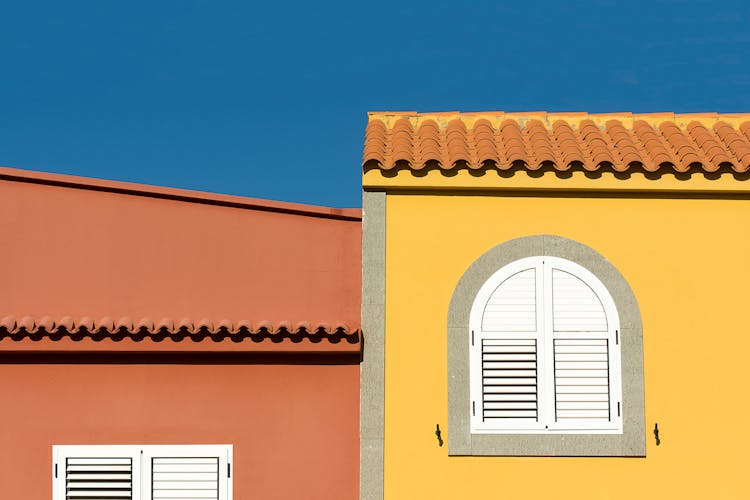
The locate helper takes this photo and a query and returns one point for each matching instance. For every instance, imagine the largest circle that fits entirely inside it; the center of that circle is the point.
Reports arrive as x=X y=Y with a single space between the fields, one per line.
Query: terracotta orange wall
x=81 y=252
x=294 y=428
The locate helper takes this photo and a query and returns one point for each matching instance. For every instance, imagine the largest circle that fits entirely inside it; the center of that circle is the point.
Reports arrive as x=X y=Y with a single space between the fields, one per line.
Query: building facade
x=559 y=296
x=528 y=306
x=165 y=342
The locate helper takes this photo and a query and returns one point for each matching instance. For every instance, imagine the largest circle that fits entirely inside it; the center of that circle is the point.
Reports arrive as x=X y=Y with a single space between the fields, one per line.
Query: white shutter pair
x=149 y=472
x=544 y=351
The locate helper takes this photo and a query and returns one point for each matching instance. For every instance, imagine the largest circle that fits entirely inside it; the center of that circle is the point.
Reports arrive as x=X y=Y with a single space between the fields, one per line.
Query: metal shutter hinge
x=55 y=471
x=617 y=337
x=473 y=408
x=229 y=470
x=472 y=337
x=618 y=408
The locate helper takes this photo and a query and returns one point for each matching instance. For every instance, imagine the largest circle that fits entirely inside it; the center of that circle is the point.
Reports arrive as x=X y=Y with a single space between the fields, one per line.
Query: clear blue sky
x=269 y=99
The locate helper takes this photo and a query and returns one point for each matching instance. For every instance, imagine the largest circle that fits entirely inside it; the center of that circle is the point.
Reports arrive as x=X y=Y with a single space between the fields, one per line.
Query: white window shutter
x=506 y=350
x=180 y=477
x=187 y=472
x=145 y=472
x=101 y=472
x=544 y=353
x=583 y=339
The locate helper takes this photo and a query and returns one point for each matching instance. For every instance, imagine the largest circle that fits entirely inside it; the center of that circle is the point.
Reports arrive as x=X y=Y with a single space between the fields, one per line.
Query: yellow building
x=564 y=296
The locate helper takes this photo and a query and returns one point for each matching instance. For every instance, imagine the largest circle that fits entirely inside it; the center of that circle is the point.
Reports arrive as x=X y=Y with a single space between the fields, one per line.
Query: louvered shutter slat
x=582 y=365
x=506 y=349
x=509 y=396
x=497 y=370
x=563 y=357
x=185 y=493
x=601 y=396
x=510 y=405
x=184 y=476
x=103 y=494
x=187 y=468
x=582 y=389
x=585 y=374
x=583 y=414
x=579 y=349
x=101 y=478
x=102 y=485
x=531 y=414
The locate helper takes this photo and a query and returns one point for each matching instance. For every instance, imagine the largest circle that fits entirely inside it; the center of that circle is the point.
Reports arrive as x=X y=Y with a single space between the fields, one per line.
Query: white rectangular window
x=142 y=472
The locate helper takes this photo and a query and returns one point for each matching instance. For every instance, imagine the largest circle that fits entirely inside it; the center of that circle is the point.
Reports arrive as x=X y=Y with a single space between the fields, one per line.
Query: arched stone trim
x=461 y=442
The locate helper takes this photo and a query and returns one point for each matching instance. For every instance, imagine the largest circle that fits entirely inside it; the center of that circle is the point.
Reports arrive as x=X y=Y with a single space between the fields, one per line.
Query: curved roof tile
x=620 y=141
x=13 y=327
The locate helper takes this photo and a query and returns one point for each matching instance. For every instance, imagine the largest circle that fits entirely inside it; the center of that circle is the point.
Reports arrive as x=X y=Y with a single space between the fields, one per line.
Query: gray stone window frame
x=631 y=443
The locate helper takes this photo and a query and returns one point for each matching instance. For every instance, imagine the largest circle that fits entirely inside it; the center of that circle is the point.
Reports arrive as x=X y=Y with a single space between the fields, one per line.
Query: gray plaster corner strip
x=372 y=369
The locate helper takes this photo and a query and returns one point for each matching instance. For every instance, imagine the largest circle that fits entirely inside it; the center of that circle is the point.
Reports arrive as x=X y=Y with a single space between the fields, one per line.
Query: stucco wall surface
x=81 y=248
x=84 y=252
x=683 y=257
x=293 y=427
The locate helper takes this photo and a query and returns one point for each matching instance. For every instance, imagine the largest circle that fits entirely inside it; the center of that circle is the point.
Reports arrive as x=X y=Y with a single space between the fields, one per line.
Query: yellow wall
x=687 y=262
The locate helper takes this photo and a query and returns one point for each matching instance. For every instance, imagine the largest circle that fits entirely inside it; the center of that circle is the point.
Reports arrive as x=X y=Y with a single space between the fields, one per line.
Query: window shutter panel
x=188 y=472
x=506 y=354
x=581 y=353
x=509 y=379
x=185 y=477
x=101 y=478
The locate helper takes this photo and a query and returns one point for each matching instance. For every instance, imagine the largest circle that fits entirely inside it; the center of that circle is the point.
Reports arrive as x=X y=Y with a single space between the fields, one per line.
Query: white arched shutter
x=505 y=352
x=585 y=350
x=544 y=351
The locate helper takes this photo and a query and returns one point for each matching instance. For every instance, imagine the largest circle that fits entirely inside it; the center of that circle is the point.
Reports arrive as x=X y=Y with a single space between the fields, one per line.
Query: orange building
x=155 y=341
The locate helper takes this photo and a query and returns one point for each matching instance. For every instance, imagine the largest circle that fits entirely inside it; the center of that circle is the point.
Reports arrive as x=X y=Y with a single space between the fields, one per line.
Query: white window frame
x=544 y=335
x=141 y=456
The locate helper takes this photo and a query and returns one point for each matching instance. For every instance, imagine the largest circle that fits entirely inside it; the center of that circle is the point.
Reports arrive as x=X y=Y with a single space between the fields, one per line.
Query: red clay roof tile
x=169 y=328
x=620 y=141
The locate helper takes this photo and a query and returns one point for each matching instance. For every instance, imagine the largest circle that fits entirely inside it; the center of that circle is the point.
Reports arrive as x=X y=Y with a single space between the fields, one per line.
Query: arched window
x=544 y=351
x=545 y=354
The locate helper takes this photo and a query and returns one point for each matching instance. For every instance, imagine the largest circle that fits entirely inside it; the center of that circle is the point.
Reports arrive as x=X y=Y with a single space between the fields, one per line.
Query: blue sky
x=269 y=99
